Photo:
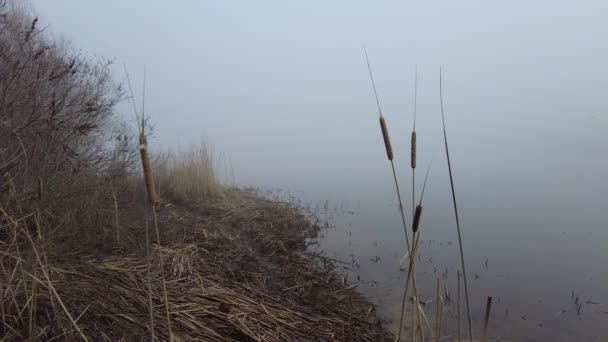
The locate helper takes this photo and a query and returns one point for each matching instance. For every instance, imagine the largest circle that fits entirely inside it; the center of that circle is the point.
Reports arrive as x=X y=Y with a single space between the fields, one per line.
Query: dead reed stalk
x=486 y=318
x=49 y=284
x=447 y=153
x=148 y=275
x=458 y=307
x=439 y=311
x=115 y=200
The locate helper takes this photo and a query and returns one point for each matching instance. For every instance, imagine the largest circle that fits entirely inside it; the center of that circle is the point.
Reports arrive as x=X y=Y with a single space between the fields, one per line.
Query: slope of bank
x=237 y=270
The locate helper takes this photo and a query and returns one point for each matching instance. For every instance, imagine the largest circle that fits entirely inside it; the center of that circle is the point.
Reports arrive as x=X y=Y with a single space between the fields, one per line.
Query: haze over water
x=281 y=92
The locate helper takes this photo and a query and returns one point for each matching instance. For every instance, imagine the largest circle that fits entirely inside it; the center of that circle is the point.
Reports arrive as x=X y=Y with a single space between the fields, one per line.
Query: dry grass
x=238 y=272
x=187 y=175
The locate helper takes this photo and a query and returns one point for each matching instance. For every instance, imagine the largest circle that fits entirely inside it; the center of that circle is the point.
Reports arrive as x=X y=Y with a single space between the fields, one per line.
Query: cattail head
x=417 y=214
x=413 y=161
x=147 y=167
x=387 y=139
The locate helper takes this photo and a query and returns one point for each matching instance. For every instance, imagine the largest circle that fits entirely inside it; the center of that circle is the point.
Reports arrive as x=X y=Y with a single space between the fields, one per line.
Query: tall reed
x=447 y=153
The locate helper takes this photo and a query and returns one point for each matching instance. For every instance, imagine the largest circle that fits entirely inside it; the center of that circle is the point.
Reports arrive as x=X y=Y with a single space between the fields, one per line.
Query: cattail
x=387 y=139
x=417 y=214
x=413 y=149
x=145 y=161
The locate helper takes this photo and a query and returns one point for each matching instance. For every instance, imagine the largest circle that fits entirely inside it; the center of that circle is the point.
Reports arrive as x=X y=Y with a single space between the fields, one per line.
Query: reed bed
x=187 y=175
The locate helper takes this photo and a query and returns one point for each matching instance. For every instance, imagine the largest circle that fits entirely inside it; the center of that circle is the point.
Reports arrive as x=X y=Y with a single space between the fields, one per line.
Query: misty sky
x=281 y=88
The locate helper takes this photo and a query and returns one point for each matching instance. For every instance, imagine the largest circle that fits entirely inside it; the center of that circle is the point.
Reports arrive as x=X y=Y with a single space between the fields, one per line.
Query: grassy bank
x=236 y=269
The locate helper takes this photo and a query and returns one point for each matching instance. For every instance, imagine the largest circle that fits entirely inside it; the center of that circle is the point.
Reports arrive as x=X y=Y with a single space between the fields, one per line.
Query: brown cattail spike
x=387 y=139
x=413 y=149
x=417 y=214
x=145 y=161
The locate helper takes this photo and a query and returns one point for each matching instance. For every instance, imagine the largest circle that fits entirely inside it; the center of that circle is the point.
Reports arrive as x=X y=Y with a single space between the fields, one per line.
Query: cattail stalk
x=415 y=225
x=148 y=274
x=115 y=200
x=143 y=146
x=162 y=273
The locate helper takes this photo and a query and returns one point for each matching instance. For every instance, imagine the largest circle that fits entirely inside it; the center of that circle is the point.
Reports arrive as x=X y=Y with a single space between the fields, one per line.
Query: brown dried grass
x=187 y=175
x=238 y=272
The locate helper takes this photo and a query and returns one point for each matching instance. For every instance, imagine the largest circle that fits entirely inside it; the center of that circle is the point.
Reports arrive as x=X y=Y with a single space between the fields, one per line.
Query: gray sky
x=282 y=87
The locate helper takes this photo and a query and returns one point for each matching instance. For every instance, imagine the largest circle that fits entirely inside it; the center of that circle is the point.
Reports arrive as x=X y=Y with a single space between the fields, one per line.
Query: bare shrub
x=60 y=142
x=55 y=112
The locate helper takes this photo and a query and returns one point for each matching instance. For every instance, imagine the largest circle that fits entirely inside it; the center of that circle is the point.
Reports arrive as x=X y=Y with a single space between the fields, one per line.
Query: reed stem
x=162 y=274
x=458 y=307
x=486 y=318
x=447 y=152
x=148 y=275
x=437 y=318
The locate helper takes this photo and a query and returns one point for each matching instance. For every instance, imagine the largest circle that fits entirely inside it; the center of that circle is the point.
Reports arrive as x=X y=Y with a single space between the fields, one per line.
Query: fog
x=282 y=88
x=282 y=93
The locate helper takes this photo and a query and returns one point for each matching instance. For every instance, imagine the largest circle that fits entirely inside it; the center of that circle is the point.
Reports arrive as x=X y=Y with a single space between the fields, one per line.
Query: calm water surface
x=542 y=232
